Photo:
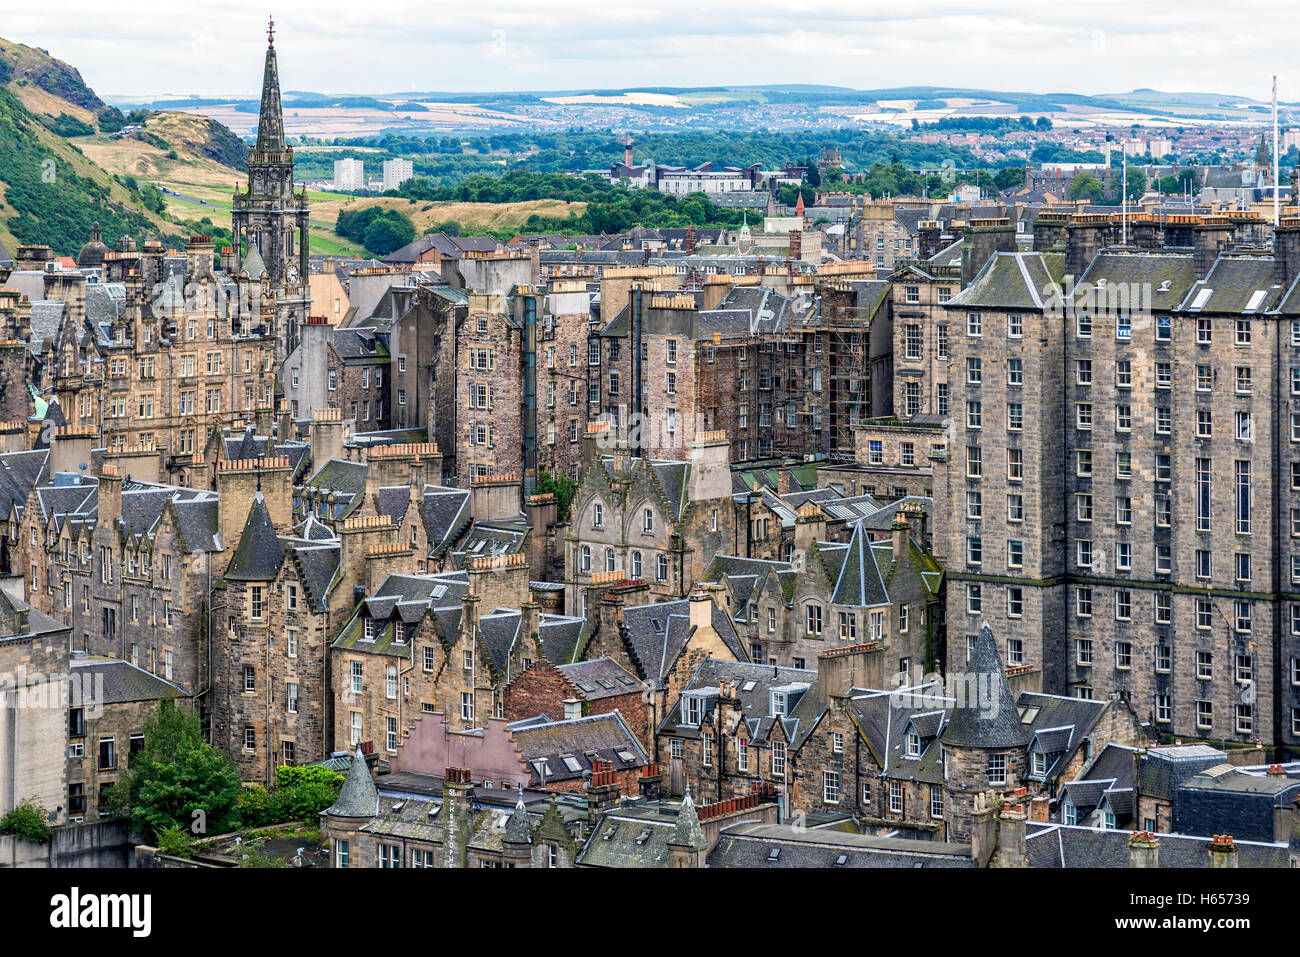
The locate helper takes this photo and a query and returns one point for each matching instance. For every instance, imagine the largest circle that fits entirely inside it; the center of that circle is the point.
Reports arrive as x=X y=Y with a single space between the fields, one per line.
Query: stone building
x=886 y=594
x=1107 y=442
x=457 y=828
x=450 y=643
x=655 y=520
x=35 y=695
x=104 y=733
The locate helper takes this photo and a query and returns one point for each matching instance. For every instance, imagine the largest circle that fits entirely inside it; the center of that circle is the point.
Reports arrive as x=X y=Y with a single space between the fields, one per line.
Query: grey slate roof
x=545 y=745
x=988 y=722
x=358 y=797
x=123 y=681
x=751 y=845
x=260 y=552
x=1060 y=845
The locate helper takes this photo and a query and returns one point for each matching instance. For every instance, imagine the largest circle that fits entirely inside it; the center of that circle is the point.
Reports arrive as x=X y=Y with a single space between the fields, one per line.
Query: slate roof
x=753 y=685
x=123 y=681
x=1010 y=281
x=260 y=553
x=1237 y=285
x=600 y=678
x=885 y=719
x=358 y=797
x=1162 y=769
x=975 y=724
x=657 y=634
x=750 y=845
x=1060 y=845
x=545 y=746
x=634 y=836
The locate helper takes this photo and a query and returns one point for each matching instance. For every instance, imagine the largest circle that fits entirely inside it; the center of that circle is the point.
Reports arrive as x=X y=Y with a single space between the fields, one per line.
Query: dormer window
x=369 y=629
x=913 y=743
x=1037 y=760
x=779 y=704
x=693 y=710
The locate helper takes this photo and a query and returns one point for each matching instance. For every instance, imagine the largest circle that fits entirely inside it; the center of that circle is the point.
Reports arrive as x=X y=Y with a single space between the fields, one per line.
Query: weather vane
x=270 y=31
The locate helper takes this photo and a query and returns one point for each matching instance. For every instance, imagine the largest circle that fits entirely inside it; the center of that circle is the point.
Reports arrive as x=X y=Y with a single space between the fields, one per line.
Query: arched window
x=636 y=564
x=609 y=559
x=661 y=572
x=586 y=558
x=597 y=515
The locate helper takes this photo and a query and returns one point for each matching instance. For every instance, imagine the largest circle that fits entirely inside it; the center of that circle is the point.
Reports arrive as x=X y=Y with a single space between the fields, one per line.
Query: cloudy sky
x=1097 y=47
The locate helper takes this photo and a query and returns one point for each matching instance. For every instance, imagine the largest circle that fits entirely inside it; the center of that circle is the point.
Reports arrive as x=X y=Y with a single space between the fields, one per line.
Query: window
x=661 y=568
x=250 y=679
x=1083 y=651
x=1204 y=715
x=742 y=754
x=778 y=759
x=895 y=797
x=1204 y=665
x=831 y=787
x=837 y=742
x=390 y=681
x=356 y=677
x=1083 y=601
x=813 y=619
x=341 y=853
x=107 y=754
x=466 y=706
x=973 y=324
x=1015 y=372
x=974 y=600
x=974 y=370
x=1015 y=553
x=1015 y=325
x=997 y=769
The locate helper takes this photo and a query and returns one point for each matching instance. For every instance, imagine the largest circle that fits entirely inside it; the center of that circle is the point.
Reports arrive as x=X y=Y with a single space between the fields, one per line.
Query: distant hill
x=50 y=191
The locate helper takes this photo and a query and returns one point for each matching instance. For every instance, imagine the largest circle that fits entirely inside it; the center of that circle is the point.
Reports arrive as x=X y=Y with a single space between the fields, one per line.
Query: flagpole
x=1276 y=185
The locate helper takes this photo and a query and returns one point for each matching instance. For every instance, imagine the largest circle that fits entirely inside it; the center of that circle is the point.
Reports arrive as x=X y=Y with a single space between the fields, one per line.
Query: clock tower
x=270 y=219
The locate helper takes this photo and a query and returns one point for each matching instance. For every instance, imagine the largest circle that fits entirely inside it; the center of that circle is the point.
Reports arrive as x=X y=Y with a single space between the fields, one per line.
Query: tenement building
x=1122 y=492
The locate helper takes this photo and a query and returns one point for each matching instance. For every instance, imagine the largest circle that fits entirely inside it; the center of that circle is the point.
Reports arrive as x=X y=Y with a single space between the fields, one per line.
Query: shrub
x=176 y=841
x=29 y=821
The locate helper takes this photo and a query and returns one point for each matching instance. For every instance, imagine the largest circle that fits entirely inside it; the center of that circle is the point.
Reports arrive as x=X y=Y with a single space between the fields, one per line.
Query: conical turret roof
x=358 y=797
x=986 y=715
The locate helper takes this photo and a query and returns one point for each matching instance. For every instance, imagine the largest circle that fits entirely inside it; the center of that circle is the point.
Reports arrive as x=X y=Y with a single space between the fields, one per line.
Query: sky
x=328 y=46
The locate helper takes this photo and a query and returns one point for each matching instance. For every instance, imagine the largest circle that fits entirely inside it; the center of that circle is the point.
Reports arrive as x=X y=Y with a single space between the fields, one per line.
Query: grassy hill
x=50 y=190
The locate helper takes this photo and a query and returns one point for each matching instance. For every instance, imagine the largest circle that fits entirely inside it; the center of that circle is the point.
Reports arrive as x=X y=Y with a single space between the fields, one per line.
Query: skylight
x=572 y=763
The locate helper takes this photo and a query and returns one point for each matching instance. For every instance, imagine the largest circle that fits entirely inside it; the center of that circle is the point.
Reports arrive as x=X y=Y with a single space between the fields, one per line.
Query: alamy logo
x=75 y=910
x=974 y=690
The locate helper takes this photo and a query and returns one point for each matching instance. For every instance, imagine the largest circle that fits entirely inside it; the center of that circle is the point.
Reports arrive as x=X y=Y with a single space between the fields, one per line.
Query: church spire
x=270 y=124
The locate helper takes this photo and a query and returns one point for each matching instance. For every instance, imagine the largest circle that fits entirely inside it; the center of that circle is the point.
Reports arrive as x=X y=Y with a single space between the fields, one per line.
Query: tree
x=1009 y=178
x=1085 y=186
x=1137 y=184
x=175 y=775
x=388 y=232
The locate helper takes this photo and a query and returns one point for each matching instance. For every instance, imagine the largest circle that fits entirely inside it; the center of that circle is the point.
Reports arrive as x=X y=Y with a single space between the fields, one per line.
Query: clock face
x=292 y=273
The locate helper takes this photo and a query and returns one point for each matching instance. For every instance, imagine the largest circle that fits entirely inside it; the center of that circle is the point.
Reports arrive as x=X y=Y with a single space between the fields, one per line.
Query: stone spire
x=519 y=830
x=687 y=833
x=270 y=123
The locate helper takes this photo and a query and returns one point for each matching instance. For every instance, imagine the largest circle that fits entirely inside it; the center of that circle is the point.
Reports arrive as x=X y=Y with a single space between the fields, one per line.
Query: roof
x=657 y=634
x=751 y=845
x=260 y=553
x=358 y=797
x=987 y=718
x=117 y=680
x=1060 y=845
x=564 y=750
x=600 y=678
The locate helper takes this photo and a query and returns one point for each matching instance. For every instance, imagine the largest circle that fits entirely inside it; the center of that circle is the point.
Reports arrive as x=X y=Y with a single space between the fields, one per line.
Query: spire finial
x=270 y=31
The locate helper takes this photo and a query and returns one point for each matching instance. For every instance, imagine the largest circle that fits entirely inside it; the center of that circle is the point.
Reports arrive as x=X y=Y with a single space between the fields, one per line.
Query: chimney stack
x=1213 y=236
x=1143 y=850
x=1223 y=852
